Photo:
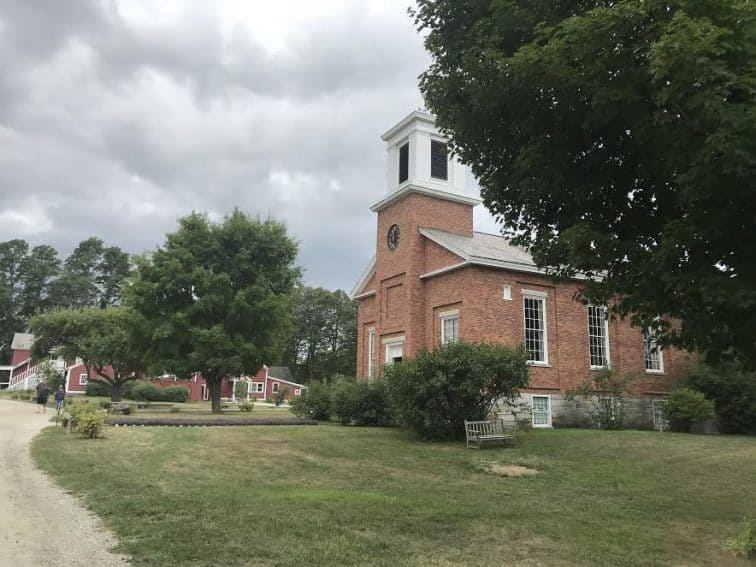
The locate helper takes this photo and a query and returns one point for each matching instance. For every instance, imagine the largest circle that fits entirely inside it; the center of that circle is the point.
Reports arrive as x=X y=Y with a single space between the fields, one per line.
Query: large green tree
x=32 y=281
x=106 y=340
x=616 y=139
x=216 y=297
x=12 y=255
x=323 y=338
x=92 y=275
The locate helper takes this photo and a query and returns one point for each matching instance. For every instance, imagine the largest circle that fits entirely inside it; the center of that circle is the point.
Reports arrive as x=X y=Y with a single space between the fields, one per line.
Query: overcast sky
x=117 y=117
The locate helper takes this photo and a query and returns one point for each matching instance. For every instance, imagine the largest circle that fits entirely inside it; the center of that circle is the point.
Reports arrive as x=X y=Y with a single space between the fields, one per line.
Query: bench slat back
x=485 y=428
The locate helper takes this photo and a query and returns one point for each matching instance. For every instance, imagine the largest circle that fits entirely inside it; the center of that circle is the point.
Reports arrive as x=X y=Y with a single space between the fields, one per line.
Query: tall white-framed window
x=83 y=379
x=541 y=411
x=598 y=336
x=205 y=392
x=275 y=387
x=536 y=341
x=652 y=353
x=394 y=349
x=371 y=354
x=449 y=326
x=660 y=418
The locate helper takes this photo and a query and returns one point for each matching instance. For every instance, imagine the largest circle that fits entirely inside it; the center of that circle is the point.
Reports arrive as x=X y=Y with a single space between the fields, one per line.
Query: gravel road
x=40 y=524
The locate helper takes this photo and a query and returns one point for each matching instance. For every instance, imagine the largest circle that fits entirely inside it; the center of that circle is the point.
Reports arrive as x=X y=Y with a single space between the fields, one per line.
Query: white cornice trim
x=438 y=194
x=414 y=115
x=440 y=271
x=364 y=295
x=364 y=277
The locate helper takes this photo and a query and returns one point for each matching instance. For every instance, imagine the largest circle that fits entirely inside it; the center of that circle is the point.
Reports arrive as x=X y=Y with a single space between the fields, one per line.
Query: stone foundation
x=639 y=412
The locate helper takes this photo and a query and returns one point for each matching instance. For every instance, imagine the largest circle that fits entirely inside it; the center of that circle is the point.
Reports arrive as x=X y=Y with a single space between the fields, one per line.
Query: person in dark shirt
x=60 y=397
x=43 y=390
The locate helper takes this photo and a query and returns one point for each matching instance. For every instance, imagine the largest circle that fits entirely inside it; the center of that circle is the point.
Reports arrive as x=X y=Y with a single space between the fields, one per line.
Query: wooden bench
x=479 y=432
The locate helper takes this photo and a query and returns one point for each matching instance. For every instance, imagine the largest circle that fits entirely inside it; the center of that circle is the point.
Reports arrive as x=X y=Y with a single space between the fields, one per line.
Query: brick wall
x=406 y=305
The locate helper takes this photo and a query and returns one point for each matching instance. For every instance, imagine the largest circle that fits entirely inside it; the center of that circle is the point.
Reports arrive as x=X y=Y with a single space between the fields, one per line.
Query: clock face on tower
x=393 y=236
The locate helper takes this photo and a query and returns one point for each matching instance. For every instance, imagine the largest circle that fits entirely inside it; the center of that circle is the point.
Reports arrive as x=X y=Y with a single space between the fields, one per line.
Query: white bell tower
x=419 y=161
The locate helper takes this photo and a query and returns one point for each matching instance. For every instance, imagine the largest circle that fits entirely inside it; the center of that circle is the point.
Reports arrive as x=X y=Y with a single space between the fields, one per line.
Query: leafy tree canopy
x=33 y=280
x=216 y=297
x=616 y=139
x=106 y=340
x=322 y=341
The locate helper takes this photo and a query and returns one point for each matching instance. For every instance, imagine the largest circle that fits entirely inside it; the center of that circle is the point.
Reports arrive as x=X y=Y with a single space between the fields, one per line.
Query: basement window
x=541 y=411
x=439 y=160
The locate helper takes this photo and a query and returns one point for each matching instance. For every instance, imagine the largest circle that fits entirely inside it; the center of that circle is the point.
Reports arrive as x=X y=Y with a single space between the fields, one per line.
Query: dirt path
x=40 y=525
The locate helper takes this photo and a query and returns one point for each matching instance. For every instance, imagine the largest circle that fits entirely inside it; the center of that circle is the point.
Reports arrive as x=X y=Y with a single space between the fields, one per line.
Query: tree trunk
x=214 y=385
x=115 y=390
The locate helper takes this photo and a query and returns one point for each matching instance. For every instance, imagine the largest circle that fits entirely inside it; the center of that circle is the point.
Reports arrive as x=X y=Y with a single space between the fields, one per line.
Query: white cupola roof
x=419 y=161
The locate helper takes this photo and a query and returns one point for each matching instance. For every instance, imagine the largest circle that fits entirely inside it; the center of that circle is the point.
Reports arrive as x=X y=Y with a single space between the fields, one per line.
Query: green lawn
x=333 y=495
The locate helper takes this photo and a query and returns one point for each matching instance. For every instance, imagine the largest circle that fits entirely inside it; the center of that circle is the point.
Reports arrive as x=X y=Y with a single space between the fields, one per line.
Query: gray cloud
x=115 y=126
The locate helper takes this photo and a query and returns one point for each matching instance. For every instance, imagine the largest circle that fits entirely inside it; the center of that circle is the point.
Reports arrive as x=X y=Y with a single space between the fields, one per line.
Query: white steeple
x=418 y=161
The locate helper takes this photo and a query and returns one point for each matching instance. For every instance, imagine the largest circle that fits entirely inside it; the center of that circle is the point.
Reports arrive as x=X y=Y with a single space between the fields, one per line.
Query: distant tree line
x=218 y=298
x=323 y=338
x=35 y=279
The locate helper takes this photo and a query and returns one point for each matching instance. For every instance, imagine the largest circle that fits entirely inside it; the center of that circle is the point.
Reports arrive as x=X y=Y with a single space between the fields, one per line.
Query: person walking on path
x=43 y=390
x=60 y=397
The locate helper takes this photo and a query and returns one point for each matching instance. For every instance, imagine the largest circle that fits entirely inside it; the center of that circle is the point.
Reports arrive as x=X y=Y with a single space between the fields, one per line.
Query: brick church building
x=434 y=279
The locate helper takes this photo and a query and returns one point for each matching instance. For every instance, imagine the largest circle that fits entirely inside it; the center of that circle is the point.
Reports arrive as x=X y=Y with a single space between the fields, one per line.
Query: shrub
x=247 y=405
x=280 y=396
x=97 y=389
x=87 y=419
x=743 y=543
x=147 y=392
x=685 y=407
x=178 y=394
x=434 y=393
x=733 y=391
x=127 y=389
x=359 y=403
x=603 y=390
x=314 y=403
x=104 y=404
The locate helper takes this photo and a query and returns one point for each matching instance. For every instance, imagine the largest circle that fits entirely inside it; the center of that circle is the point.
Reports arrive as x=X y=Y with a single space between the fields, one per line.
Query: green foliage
x=314 y=402
x=686 y=407
x=434 y=393
x=743 y=544
x=216 y=297
x=178 y=394
x=148 y=392
x=87 y=419
x=247 y=405
x=359 y=403
x=614 y=138
x=47 y=370
x=604 y=389
x=32 y=281
x=105 y=339
x=97 y=389
x=733 y=390
x=280 y=397
x=241 y=390
x=323 y=338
